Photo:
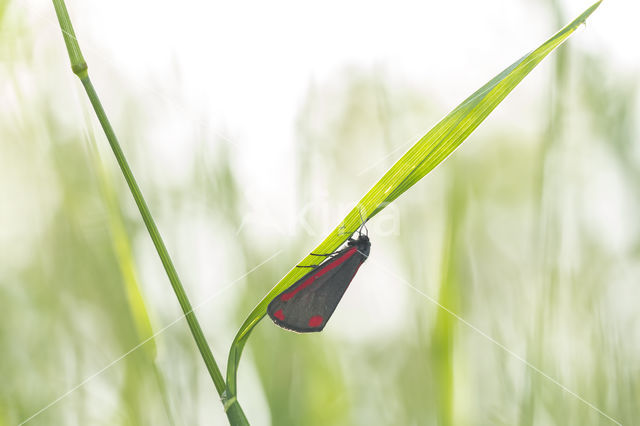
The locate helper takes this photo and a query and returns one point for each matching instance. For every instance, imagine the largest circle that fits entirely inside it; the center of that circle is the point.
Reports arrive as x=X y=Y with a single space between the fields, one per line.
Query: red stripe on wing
x=331 y=265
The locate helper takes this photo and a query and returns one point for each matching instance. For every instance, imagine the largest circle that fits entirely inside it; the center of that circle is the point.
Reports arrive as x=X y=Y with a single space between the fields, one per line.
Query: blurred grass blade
x=124 y=254
x=426 y=154
x=80 y=68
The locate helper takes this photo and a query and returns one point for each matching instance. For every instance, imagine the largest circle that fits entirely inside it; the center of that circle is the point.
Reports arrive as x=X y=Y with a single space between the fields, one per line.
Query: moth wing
x=307 y=305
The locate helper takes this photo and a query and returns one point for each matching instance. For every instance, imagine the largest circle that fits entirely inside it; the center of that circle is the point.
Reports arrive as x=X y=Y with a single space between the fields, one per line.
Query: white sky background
x=244 y=68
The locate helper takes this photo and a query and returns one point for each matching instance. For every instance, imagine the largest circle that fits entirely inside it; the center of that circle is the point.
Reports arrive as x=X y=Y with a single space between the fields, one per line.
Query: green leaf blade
x=420 y=159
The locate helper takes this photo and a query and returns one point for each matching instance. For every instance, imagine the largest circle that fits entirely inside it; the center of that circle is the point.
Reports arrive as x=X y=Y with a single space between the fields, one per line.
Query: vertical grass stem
x=79 y=67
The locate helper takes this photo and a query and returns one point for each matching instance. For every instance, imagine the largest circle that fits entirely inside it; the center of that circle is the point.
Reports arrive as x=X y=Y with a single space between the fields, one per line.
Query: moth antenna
x=362 y=224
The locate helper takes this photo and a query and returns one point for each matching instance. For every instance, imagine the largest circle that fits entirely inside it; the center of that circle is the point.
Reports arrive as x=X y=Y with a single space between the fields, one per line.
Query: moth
x=307 y=304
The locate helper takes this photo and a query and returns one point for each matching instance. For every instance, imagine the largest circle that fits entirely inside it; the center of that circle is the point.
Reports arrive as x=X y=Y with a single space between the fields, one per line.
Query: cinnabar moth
x=307 y=304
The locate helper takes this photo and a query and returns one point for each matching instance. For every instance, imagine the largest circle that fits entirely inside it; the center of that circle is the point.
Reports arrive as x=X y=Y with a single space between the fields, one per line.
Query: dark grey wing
x=308 y=304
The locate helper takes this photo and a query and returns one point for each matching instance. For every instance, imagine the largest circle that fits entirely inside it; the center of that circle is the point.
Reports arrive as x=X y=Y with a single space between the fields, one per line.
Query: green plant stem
x=79 y=67
x=194 y=325
x=235 y=414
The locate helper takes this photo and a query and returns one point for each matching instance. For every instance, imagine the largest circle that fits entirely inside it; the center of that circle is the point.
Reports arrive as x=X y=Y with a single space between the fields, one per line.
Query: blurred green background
x=529 y=232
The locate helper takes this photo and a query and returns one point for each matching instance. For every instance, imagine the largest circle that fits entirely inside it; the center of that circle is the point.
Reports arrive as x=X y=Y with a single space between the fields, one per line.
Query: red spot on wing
x=331 y=265
x=278 y=314
x=315 y=321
